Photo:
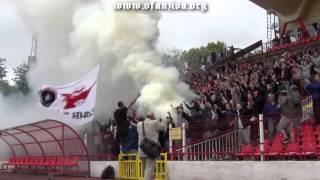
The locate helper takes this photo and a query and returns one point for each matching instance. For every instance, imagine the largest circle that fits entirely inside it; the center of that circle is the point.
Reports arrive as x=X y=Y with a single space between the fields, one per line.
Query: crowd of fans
x=231 y=98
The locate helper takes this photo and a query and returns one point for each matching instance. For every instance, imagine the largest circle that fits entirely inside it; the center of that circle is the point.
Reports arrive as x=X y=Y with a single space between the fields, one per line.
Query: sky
x=236 y=22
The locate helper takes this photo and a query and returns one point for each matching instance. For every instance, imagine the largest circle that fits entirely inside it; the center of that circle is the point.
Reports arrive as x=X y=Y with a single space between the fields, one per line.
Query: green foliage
x=194 y=55
x=3 y=69
x=20 y=79
x=5 y=87
x=171 y=57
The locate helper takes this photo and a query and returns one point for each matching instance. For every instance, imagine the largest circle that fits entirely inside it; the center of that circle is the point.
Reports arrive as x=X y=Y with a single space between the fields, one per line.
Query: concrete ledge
x=231 y=170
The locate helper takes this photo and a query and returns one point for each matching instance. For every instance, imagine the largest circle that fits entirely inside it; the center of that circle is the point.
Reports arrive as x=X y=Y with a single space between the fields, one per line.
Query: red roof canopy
x=44 y=138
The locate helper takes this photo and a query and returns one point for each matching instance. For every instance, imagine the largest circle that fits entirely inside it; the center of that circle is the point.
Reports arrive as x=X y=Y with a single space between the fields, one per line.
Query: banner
x=176 y=133
x=75 y=101
x=307 y=109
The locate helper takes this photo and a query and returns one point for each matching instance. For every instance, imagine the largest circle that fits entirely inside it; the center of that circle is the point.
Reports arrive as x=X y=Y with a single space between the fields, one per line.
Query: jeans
x=149 y=167
x=272 y=125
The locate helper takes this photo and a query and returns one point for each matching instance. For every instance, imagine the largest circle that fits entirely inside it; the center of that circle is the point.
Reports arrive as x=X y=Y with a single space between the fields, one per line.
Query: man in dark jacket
x=132 y=140
x=243 y=124
x=121 y=118
x=271 y=115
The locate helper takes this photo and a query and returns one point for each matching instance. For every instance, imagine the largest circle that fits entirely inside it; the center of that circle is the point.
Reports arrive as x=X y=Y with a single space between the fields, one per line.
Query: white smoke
x=76 y=35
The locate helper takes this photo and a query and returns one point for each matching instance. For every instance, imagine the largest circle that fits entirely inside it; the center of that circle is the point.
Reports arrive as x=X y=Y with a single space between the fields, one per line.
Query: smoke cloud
x=76 y=35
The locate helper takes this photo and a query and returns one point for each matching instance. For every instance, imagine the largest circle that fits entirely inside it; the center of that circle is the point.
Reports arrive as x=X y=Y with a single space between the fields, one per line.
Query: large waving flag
x=76 y=101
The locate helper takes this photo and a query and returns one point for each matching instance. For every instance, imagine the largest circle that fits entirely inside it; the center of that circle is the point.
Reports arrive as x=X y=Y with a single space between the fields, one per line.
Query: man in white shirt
x=152 y=128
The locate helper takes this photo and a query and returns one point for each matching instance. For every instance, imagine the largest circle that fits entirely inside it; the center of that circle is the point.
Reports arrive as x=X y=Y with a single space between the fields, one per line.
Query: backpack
x=108 y=173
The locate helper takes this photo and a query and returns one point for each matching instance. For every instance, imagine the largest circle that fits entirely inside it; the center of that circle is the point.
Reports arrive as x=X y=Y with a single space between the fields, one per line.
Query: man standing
x=120 y=116
x=152 y=127
x=271 y=114
x=243 y=124
x=290 y=106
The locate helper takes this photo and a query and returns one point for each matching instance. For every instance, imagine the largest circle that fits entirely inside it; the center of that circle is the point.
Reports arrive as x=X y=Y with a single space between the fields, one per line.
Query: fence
x=293 y=39
x=130 y=167
x=223 y=147
x=219 y=148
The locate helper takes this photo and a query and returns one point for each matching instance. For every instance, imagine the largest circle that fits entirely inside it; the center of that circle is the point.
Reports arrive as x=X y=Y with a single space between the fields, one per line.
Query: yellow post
x=130 y=167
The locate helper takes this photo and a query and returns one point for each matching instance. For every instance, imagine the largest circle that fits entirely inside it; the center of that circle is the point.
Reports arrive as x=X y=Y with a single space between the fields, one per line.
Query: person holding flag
x=121 y=118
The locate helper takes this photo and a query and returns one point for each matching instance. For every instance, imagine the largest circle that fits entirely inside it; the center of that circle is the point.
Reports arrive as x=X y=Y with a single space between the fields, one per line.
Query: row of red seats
x=44 y=161
x=305 y=144
x=302 y=41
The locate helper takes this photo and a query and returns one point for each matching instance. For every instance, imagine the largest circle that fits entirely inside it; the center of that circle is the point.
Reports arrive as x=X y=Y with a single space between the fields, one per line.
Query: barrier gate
x=130 y=167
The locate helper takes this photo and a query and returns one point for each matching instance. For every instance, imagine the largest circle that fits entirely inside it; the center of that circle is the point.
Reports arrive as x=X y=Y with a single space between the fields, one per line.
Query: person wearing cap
x=271 y=115
x=152 y=128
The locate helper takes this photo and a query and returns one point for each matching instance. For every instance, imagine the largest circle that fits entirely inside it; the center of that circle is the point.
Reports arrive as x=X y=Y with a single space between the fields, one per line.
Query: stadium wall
x=230 y=170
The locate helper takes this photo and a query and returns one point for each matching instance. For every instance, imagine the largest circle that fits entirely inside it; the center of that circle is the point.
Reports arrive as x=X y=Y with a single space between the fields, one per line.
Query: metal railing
x=130 y=167
x=218 y=148
x=292 y=39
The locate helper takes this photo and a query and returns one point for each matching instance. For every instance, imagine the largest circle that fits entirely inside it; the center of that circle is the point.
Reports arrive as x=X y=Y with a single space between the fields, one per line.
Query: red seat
x=15 y=160
x=309 y=149
x=292 y=149
x=40 y=161
x=306 y=128
x=314 y=38
x=49 y=161
x=317 y=130
x=74 y=161
x=308 y=39
x=20 y=161
x=28 y=161
x=34 y=161
x=11 y=160
x=275 y=149
x=61 y=161
x=53 y=161
x=278 y=138
x=257 y=151
x=308 y=140
x=245 y=150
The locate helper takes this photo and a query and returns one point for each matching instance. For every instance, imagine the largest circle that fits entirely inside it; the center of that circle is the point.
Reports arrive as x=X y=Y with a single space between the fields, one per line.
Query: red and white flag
x=76 y=101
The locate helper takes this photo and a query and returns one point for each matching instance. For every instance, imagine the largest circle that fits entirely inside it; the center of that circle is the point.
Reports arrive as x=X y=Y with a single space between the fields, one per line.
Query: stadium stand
x=248 y=80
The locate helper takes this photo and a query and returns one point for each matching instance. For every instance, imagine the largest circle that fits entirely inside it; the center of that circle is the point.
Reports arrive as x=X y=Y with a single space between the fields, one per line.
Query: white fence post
x=184 y=140
x=86 y=139
x=261 y=137
x=170 y=138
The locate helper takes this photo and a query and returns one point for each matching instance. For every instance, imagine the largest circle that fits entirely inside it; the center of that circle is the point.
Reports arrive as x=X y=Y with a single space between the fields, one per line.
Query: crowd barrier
x=130 y=167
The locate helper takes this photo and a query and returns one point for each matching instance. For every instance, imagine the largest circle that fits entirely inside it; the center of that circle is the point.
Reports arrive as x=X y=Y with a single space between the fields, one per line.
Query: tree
x=3 y=69
x=20 y=80
x=194 y=55
x=5 y=87
x=171 y=57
